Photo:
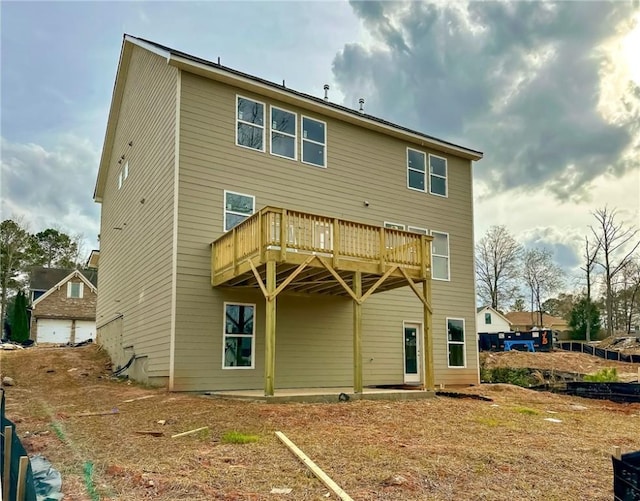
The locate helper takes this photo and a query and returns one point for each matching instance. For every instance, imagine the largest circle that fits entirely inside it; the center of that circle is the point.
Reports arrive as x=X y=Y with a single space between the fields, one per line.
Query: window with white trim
x=284 y=126
x=314 y=142
x=250 y=123
x=393 y=226
x=440 y=256
x=75 y=290
x=455 y=342
x=416 y=170
x=237 y=208
x=487 y=318
x=239 y=335
x=437 y=175
x=416 y=229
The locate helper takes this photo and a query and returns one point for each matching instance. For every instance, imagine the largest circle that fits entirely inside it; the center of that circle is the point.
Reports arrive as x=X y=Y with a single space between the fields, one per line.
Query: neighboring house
x=227 y=198
x=490 y=320
x=93 y=260
x=527 y=320
x=63 y=305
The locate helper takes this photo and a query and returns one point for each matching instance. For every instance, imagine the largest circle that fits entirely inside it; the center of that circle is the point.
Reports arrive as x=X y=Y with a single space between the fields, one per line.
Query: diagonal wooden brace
x=417 y=291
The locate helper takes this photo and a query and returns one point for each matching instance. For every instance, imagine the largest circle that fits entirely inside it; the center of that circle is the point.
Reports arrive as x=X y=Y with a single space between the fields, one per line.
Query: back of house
x=194 y=151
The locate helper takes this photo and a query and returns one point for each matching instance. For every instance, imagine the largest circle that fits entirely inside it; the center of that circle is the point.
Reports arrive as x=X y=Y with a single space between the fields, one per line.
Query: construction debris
x=104 y=413
x=190 y=432
x=315 y=469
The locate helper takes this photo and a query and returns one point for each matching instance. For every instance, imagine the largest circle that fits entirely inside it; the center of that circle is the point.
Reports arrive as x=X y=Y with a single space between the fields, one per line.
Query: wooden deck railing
x=282 y=230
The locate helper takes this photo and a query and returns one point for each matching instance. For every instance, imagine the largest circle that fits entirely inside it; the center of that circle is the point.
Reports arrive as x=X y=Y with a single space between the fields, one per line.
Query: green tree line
x=21 y=250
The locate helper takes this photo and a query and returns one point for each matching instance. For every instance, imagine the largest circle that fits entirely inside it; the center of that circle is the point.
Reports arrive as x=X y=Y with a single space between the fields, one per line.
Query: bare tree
x=542 y=276
x=590 y=255
x=627 y=297
x=14 y=244
x=498 y=257
x=617 y=244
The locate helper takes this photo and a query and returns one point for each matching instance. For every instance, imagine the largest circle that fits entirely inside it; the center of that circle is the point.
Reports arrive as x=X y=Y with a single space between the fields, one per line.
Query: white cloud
x=51 y=188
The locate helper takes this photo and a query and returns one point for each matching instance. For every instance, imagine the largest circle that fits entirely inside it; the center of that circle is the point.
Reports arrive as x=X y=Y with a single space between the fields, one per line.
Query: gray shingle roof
x=43 y=279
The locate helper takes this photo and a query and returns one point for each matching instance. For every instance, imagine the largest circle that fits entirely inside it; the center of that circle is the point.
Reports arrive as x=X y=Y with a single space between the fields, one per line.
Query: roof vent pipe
x=326 y=92
x=361 y=101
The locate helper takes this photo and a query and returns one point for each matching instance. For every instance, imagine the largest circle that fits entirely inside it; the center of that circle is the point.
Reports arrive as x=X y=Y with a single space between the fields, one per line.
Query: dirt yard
x=437 y=449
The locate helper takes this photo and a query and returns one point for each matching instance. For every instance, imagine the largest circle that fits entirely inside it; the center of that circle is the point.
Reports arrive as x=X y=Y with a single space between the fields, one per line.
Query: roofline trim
x=226 y=76
x=62 y=282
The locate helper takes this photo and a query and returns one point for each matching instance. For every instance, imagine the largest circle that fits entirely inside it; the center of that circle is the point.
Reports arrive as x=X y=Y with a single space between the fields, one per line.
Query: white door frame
x=417 y=377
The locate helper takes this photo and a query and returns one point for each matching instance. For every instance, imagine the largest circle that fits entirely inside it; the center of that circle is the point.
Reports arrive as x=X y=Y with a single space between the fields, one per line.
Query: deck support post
x=270 y=331
x=357 y=333
x=427 y=357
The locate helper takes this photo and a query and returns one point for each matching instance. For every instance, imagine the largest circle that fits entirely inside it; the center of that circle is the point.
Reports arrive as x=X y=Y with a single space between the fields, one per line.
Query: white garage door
x=54 y=331
x=85 y=329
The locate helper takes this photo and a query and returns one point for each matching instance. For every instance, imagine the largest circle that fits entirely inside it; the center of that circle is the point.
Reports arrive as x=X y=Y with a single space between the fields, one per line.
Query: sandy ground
x=436 y=449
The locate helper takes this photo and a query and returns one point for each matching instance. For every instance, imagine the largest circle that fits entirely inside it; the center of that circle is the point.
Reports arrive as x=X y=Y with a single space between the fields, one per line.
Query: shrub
x=606 y=375
x=518 y=377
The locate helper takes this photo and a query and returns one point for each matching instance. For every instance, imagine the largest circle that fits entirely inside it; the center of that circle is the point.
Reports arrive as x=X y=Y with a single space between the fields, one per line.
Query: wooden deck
x=326 y=251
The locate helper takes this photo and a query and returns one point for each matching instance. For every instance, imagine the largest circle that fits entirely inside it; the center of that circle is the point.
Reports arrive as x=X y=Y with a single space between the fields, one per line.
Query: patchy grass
x=527 y=411
x=435 y=449
x=235 y=437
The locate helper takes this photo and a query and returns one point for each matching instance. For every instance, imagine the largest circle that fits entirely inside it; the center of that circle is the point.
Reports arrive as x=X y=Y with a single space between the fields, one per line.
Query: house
x=255 y=237
x=94 y=258
x=63 y=305
x=490 y=320
x=527 y=320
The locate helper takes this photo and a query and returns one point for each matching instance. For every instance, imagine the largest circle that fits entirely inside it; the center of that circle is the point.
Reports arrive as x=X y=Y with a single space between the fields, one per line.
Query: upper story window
x=314 y=142
x=237 y=208
x=75 y=290
x=250 y=123
x=393 y=226
x=487 y=318
x=437 y=175
x=415 y=229
x=284 y=125
x=440 y=256
x=416 y=170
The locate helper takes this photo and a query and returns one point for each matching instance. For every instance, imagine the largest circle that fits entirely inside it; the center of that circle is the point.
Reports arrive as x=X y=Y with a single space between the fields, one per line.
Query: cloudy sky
x=549 y=91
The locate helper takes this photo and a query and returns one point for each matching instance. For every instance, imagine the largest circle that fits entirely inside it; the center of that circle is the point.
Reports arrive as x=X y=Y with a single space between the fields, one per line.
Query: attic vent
x=361 y=102
x=326 y=92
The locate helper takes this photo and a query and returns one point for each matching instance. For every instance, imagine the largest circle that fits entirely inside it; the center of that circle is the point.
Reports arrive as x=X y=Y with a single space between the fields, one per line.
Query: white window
x=75 y=290
x=416 y=170
x=440 y=256
x=239 y=335
x=314 y=142
x=250 y=123
x=437 y=175
x=487 y=318
x=284 y=126
x=237 y=208
x=455 y=342
x=393 y=226
x=415 y=229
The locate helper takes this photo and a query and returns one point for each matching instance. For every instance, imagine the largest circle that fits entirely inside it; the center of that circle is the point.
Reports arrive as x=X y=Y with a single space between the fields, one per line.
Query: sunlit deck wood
x=335 y=246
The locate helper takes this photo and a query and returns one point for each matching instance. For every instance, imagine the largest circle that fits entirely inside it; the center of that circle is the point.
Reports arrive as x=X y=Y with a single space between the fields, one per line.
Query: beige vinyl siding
x=135 y=261
x=311 y=335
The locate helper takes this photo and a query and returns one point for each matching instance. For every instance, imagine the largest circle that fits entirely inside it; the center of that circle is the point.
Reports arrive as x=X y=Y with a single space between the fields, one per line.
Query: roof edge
x=77 y=273
x=222 y=73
